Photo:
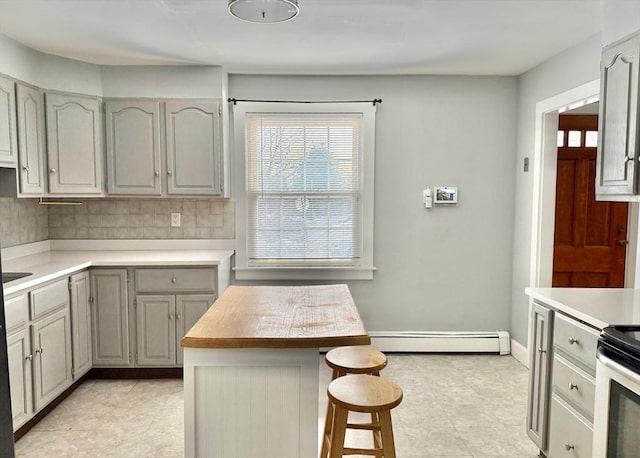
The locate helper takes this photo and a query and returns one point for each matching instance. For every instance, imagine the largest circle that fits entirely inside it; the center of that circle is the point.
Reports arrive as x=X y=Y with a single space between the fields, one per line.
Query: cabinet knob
x=169 y=172
x=174 y=280
x=569 y=447
x=39 y=350
x=29 y=358
x=628 y=158
x=25 y=168
x=573 y=341
x=573 y=386
x=157 y=174
x=542 y=350
x=177 y=316
x=622 y=242
x=171 y=317
x=53 y=170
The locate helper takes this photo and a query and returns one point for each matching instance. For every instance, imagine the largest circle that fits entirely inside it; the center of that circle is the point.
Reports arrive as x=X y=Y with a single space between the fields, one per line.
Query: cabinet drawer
x=16 y=312
x=576 y=340
x=51 y=297
x=175 y=280
x=574 y=384
x=570 y=435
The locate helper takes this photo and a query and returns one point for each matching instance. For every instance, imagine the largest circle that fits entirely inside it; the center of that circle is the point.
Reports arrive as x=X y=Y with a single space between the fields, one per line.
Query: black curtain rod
x=374 y=101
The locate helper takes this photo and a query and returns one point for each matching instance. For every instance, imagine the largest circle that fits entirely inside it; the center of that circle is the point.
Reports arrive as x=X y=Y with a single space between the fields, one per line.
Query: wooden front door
x=590 y=240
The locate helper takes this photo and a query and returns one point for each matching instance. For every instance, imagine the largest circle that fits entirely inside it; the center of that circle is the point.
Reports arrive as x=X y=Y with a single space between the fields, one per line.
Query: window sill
x=303 y=273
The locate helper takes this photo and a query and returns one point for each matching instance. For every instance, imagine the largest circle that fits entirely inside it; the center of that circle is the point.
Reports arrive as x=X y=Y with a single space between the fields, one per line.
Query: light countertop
x=280 y=317
x=49 y=265
x=598 y=307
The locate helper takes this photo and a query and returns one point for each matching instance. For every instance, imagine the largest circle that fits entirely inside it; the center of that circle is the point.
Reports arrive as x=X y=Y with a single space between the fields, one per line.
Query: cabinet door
x=539 y=375
x=156 y=330
x=74 y=144
x=8 y=126
x=80 y=324
x=193 y=148
x=617 y=158
x=189 y=309
x=30 y=139
x=133 y=147
x=109 y=317
x=20 y=357
x=51 y=339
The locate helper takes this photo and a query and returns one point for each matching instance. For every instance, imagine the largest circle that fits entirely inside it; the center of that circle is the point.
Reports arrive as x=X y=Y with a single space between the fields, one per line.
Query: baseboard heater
x=441 y=342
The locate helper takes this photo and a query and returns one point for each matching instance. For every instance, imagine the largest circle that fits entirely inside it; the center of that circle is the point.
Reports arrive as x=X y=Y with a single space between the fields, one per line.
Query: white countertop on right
x=599 y=307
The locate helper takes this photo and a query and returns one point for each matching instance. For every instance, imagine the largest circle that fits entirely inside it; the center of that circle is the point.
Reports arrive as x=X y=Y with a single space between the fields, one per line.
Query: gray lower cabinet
x=133 y=147
x=51 y=339
x=109 y=317
x=20 y=380
x=8 y=126
x=617 y=143
x=74 y=144
x=162 y=322
x=30 y=122
x=193 y=148
x=541 y=322
x=81 y=324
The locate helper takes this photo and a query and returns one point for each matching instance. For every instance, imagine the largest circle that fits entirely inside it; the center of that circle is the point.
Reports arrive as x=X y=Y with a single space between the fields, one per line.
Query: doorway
x=590 y=243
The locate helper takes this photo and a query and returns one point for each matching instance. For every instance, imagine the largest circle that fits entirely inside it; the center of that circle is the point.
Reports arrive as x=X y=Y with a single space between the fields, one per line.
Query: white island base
x=251 y=402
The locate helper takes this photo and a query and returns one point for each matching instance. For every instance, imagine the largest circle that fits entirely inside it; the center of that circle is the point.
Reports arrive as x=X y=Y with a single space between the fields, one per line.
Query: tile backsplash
x=22 y=221
x=143 y=219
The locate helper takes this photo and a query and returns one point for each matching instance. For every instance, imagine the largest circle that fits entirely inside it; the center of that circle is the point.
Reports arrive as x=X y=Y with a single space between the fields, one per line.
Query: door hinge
x=135 y=303
x=73 y=373
x=220 y=110
x=70 y=285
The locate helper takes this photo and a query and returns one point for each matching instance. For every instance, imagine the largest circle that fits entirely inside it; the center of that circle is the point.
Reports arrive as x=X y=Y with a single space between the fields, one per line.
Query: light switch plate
x=175 y=219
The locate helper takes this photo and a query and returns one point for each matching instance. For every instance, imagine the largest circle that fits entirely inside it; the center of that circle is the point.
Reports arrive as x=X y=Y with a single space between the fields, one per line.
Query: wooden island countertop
x=280 y=317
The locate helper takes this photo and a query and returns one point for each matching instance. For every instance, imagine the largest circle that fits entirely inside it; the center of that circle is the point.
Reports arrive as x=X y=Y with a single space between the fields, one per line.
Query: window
x=305 y=209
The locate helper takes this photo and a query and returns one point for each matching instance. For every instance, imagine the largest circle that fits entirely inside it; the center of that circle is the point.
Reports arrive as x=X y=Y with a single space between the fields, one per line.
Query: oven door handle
x=617 y=367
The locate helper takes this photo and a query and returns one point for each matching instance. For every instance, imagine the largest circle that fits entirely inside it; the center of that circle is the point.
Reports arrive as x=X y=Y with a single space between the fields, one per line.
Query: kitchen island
x=251 y=369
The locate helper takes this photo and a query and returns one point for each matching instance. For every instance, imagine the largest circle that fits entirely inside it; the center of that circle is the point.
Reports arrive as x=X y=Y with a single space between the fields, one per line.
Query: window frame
x=363 y=268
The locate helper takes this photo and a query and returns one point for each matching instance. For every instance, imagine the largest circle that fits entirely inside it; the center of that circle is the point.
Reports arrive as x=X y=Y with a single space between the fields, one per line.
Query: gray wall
x=444 y=268
x=143 y=219
x=563 y=72
x=22 y=221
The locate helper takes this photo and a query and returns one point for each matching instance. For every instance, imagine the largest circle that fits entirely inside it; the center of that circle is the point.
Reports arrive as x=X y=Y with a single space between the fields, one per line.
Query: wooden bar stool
x=355 y=360
x=361 y=393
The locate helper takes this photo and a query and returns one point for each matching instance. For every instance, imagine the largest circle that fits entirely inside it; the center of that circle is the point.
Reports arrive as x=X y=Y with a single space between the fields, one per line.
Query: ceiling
x=464 y=37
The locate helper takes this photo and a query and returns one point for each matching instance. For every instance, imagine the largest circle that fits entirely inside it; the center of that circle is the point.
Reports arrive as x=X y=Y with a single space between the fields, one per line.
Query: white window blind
x=304 y=189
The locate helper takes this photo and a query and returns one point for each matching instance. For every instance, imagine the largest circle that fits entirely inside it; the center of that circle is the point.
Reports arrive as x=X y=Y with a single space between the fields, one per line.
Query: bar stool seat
x=355 y=360
x=362 y=393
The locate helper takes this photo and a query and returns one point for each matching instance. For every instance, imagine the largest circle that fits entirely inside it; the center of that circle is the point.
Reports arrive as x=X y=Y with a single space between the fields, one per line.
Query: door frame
x=544 y=165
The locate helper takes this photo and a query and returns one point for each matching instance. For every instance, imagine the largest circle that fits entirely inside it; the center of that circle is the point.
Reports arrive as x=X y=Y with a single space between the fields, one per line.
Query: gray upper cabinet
x=109 y=317
x=8 y=126
x=133 y=147
x=193 y=148
x=617 y=143
x=30 y=139
x=74 y=144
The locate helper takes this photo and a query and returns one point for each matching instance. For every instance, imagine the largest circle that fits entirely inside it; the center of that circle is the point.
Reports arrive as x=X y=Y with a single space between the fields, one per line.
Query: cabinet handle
x=569 y=446
x=39 y=350
x=573 y=386
x=53 y=170
x=29 y=358
x=573 y=341
x=542 y=350
x=628 y=158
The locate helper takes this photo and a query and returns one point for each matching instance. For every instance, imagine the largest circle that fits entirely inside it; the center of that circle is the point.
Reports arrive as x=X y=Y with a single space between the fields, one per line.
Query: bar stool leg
x=386 y=430
x=339 y=432
x=328 y=426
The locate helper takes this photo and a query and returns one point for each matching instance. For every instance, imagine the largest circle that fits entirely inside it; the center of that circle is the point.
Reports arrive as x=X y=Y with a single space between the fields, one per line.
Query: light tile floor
x=453 y=406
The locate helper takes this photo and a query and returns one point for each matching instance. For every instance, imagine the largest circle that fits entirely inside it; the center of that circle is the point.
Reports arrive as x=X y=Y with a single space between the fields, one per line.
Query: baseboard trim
x=520 y=353
x=113 y=373
x=441 y=342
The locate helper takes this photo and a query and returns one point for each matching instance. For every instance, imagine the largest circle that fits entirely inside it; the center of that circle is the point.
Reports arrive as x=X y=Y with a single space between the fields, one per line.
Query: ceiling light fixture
x=265 y=11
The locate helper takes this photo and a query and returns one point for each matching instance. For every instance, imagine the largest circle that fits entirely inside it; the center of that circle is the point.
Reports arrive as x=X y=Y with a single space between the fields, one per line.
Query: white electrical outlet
x=175 y=219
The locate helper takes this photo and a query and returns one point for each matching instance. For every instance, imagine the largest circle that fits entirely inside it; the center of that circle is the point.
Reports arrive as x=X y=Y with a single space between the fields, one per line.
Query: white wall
x=444 y=268
x=561 y=73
